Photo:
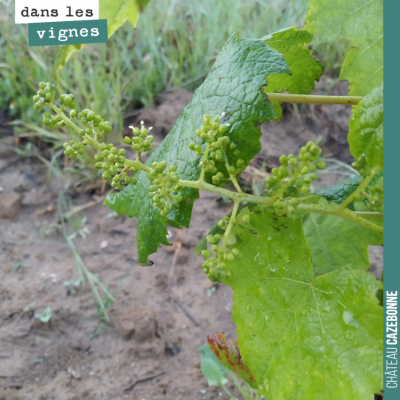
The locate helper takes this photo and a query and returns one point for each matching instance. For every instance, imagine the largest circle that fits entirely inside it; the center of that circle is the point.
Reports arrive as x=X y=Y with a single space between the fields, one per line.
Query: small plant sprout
x=44 y=316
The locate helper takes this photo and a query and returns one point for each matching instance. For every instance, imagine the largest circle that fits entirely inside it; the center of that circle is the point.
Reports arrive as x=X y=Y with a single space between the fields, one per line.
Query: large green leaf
x=304 y=69
x=303 y=338
x=366 y=128
x=361 y=23
x=232 y=86
x=336 y=242
x=116 y=13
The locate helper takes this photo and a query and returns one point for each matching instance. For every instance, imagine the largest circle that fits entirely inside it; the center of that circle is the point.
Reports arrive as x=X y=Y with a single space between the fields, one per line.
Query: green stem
x=344 y=213
x=64 y=117
x=230 y=224
x=302 y=98
x=232 y=177
x=368 y=214
x=203 y=168
x=241 y=197
x=137 y=164
x=361 y=188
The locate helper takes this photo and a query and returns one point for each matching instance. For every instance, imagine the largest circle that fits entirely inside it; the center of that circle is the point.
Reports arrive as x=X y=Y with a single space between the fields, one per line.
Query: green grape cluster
x=213 y=132
x=141 y=140
x=361 y=165
x=164 y=186
x=44 y=95
x=294 y=177
x=215 y=267
x=73 y=148
x=375 y=198
x=95 y=125
x=111 y=160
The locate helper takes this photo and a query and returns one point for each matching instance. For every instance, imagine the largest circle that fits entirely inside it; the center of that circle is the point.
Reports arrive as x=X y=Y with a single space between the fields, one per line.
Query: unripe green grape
x=236 y=153
x=304 y=171
x=172 y=168
x=222 y=129
x=114 y=150
x=305 y=189
x=127 y=140
x=36 y=97
x=312 y=167
x=39 y=105
x=143 y=132
x=206 y=119
x=225 y=140
x=198 y=148
x=61 y=124
x=231 y=170
x=293 y=161
x=284 y=160
x=42 y=85
x=211 y=239
x=274 y=171
x=206 y=254
x=232 y=146
x=99 y=165
x=321 y=165
x=214 y=247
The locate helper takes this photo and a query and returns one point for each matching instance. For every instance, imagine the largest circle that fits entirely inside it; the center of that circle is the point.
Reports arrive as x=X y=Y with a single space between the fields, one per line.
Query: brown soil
x=162 y=314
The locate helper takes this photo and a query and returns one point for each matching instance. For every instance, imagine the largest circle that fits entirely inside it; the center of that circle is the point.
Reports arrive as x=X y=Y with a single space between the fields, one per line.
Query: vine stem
x=205 y=156
x=311 y=99
x=230 y=224
x=344 y=213
x=361 y=188
x=240 y=197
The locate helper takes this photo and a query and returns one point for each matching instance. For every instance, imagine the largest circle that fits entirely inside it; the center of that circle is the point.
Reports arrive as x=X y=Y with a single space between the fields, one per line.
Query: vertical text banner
x=391 y=285
x=68 y=32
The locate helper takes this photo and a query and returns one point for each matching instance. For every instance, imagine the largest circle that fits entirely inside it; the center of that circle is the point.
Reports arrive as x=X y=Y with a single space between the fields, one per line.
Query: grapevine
x=288 y=186
x=308 y=322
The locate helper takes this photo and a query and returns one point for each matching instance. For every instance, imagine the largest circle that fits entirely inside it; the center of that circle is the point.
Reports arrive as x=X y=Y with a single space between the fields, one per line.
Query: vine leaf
x=304 y=69
x=339 y=193
x=361 y=23
x=228 y=354
x=232 y=86
x=336 y=242
x=116 y=13
x=366 y=128
x=303 y=338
